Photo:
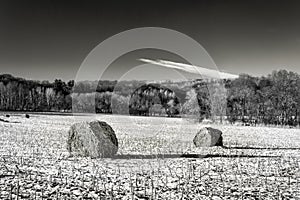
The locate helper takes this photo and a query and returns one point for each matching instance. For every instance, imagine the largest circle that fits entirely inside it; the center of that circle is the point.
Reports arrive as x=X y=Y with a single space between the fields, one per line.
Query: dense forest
x=274 y=99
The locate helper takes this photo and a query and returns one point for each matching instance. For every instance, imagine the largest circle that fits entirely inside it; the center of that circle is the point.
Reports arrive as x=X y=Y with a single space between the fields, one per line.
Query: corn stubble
x=257 y=163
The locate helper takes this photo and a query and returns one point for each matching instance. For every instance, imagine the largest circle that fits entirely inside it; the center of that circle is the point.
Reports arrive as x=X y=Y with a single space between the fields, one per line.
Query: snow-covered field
x=156 y=160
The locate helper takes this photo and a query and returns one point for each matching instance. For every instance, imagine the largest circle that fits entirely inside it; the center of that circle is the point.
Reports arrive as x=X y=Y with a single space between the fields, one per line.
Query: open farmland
x=156 y=160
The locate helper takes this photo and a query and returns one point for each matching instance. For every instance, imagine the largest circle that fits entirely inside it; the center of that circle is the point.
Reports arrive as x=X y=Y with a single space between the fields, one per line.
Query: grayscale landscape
x=153 y=100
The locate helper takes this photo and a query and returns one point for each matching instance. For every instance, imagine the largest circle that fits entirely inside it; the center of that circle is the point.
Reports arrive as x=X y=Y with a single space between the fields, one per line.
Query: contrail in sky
x=190 y=69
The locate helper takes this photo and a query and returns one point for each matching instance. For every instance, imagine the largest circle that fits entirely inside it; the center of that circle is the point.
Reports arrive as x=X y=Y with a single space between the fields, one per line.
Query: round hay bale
x=27 y=115
x=7 y=115
x=208 y=137
x=95 y=139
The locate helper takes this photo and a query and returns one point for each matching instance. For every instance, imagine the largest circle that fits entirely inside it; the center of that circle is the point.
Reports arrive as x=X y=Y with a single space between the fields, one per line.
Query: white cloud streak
x=191 y=69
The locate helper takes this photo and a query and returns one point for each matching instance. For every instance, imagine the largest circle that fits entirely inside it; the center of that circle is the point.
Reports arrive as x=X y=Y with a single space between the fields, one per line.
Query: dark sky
x=50 y=39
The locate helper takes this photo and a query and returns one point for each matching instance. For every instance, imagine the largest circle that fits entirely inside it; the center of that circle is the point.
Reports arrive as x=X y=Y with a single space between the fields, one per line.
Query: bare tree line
x=17 y=94
x=274 y=99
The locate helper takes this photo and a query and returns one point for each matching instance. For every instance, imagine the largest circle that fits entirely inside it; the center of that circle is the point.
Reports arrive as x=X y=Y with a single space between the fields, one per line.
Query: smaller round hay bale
x=7 y=115
x=95 y=139
x=27 y=115
x=208 y=137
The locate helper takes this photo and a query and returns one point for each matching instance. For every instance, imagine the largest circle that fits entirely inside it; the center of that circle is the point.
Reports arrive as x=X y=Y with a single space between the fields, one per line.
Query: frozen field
x=156 y=160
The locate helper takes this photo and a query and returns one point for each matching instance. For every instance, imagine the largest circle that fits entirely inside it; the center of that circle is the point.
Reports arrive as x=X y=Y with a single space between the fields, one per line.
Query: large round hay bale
x=208 y=137
x=95 y=139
